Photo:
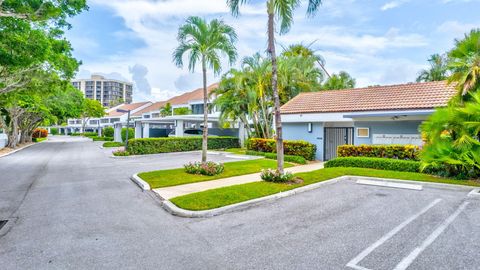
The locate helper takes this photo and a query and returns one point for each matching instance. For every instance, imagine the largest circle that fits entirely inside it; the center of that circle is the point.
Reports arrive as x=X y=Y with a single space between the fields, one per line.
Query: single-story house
x=372 y=115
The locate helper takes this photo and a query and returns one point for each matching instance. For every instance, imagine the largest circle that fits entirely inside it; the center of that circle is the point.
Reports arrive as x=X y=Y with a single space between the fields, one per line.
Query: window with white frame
x=363 y=132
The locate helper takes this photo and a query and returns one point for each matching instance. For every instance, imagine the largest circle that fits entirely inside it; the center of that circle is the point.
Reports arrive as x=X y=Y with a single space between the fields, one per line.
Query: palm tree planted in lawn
x=205 y=42
x=282 y=11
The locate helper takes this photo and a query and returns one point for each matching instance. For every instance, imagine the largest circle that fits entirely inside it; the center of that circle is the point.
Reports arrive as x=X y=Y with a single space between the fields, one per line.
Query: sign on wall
x=414 y=139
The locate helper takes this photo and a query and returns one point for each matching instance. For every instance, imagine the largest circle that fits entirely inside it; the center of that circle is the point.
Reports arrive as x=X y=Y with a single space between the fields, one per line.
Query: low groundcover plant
x=208 y=168
x=270 y=175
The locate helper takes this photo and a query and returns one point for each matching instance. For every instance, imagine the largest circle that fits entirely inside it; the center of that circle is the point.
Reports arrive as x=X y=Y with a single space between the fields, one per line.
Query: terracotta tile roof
x=409 y=96
x=154 y=107
x=132 y=106
x=189 y=96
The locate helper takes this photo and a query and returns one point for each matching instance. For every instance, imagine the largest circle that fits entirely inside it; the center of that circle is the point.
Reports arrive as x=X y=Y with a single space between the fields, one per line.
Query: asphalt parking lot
x=71 y=206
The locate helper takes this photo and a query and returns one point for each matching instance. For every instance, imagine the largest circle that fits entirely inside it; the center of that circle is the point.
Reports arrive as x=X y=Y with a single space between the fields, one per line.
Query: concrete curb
x=425 y=184
x=177 y=211
x=475 y=193
x=139 y=181
x=19 y=149
x=151 y=155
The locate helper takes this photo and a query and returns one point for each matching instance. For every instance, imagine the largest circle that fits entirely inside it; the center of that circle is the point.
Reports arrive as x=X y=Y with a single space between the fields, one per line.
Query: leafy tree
x=205 y=41
x=282 y=11
x=181 y=111
x=166 y=110
x=438 y=70
x=48 y=12
x=342 y=80
x=91 y=108
x=464 y=62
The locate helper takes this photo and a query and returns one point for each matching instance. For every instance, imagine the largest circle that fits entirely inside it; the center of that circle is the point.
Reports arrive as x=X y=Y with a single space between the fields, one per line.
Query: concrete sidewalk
x=175 y=191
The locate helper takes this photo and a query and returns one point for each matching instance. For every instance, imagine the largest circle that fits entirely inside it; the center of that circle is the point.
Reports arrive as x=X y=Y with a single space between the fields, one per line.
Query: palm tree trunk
x=278 y=120
x=205 y=112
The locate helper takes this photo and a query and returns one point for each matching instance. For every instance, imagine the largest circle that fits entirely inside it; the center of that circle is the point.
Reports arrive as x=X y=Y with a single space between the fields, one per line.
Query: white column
x=241 y=134
x=65 y=130
x=146 y=130
x=138 y=130
x=117 y=135
x=99 y=131
x=179 y=128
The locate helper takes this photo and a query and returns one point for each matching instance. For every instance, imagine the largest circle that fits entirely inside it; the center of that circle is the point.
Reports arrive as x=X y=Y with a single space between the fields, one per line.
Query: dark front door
x=334 y=137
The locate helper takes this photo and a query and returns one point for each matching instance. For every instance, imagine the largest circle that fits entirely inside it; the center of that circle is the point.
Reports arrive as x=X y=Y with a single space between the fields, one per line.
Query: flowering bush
x=275 y=176
x=208 y=168
x=294 y=148
x=39 y=133
x=405 y=152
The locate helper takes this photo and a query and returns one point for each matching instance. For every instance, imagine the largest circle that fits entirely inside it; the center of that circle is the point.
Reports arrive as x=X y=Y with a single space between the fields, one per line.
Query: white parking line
x=354 y=262
x=389 y=184
x=405 y=263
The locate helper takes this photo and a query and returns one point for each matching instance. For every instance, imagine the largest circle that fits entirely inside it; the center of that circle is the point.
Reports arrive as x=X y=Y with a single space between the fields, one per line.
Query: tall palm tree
x=438 y=69
x=283 y=11
x=465 y=63
x=205 y=41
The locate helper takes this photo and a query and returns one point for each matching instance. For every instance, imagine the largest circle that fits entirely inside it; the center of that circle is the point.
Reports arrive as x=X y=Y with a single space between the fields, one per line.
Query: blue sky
x=377 y=41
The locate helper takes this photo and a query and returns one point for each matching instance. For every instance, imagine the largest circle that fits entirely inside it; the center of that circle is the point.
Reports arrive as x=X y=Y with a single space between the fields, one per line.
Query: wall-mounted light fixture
x=309 y=127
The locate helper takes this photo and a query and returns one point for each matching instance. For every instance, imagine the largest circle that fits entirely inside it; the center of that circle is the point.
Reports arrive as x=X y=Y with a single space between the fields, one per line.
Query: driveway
x=75 y=208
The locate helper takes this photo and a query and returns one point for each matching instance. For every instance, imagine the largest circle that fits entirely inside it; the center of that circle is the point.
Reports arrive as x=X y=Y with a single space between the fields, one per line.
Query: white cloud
x=357 y=49
x=393 y=4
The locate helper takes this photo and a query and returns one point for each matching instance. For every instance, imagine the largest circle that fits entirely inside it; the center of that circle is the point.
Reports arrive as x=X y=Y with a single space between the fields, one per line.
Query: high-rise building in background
x=107 y=91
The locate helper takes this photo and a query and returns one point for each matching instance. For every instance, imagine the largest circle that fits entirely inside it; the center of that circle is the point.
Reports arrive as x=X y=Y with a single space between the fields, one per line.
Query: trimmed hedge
x=406 y=152
x=90 y=134
x=102 y=139
x=287 y=158
x=131 y=133
x=54 y=131
x=293 y=148
x=113 y=144
x=375 y=163
x=182 y=144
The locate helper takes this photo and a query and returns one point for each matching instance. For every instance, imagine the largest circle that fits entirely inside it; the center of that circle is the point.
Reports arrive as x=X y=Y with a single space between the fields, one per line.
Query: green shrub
x=406 y=152
x=113 y=144
x=131 y=133
x=287 y=158
x=375 y=163
x=38 y=139
x=108 y=132
x=102 y=139
x=180 y=144
x=275 y=176
x=90 y=134
x=54 y=131
x=121 y=153
x=209 y=168
x=293 y=148
x=75 y=134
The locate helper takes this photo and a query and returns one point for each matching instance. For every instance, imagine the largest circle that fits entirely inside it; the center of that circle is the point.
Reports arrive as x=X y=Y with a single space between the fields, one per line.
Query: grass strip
x=174 y=177
x=219 y=197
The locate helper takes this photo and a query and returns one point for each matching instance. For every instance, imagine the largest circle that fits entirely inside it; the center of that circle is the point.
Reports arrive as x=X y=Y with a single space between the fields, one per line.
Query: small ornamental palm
x=205 y=42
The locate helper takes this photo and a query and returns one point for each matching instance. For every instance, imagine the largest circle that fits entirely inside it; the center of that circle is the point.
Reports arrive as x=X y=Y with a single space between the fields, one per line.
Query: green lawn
x=174 y=177
x=215 y=198
x=239 y=151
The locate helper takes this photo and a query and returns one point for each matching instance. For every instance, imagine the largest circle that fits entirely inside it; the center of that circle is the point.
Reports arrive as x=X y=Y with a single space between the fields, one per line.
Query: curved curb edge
x=177 y=211
x=140 y=182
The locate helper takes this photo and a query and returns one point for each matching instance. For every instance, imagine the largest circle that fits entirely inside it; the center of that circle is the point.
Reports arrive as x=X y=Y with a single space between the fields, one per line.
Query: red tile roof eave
x=363 y=110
